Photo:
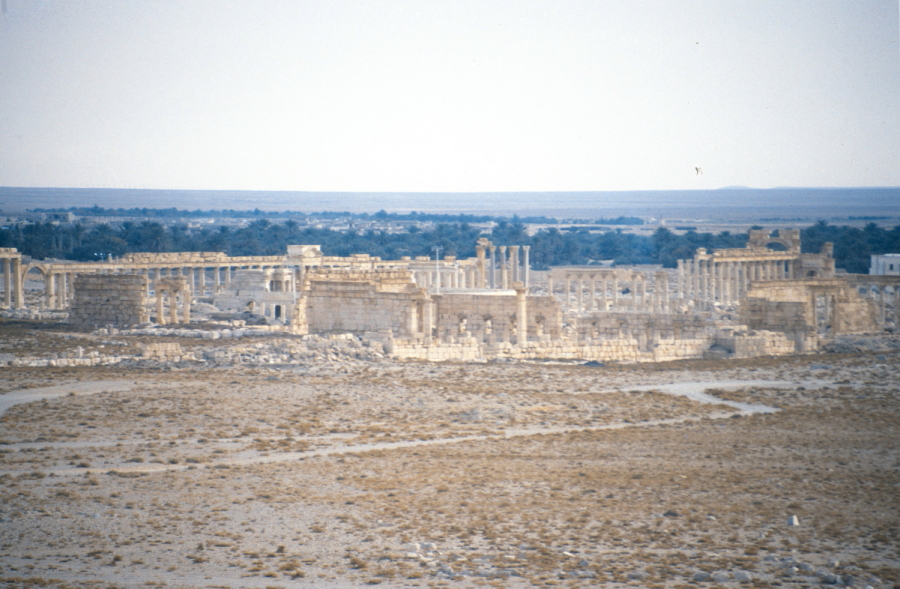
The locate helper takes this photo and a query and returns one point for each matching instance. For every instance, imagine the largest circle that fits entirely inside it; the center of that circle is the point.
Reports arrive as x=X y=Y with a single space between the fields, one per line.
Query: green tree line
x=550 y=247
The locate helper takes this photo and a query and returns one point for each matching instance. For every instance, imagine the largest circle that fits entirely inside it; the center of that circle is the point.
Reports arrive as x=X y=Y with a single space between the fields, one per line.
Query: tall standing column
x=526 y=267
x=521 y=315
x=515 y=275
x=480 y=277
x=63 y=289
x=615 y=293
x=173 y=306
x=160 y=317
x=593 y=283
x=19 y=282
x=186 y=305
x=719 y=268
x=7 y=283
x=49 y=290
x=428 y=320
x=504 y=270
x=602 y=306
x=493 y=251
x=695 y=281
x=680 y=285
x=580 y=290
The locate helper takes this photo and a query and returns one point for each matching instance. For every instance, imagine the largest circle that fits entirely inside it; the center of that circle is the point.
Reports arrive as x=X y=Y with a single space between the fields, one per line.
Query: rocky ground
x=352 y=470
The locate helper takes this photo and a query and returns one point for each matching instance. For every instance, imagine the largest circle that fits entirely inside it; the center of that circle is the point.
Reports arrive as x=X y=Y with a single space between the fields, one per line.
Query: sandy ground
x=453 y=475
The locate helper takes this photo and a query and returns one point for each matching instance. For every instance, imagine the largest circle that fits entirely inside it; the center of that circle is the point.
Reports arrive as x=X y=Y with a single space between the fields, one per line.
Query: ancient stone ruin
x=109 y=299
x=767 y=298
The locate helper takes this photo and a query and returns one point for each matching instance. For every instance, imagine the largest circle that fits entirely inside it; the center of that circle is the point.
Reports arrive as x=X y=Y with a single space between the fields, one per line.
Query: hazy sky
x=431 y=95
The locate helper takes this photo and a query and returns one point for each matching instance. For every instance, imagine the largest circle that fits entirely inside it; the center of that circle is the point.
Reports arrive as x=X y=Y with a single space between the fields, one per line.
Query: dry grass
x=249 y=476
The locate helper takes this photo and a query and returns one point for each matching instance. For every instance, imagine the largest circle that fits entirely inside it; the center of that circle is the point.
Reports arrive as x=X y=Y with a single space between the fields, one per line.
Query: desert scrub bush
x=358 y=563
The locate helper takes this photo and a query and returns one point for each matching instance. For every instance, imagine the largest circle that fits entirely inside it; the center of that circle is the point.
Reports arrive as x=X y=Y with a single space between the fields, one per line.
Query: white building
x=885 y=265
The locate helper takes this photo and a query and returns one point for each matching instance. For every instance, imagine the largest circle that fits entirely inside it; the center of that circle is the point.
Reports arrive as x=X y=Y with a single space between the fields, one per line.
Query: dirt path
x=691 y=390
x=13 y=398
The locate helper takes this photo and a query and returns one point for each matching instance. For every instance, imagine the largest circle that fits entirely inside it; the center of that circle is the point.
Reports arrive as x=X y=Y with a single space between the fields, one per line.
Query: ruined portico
x=723 y=276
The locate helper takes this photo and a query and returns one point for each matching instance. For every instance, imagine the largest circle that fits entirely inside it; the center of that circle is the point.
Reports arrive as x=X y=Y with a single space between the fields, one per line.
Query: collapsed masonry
x=767 y=298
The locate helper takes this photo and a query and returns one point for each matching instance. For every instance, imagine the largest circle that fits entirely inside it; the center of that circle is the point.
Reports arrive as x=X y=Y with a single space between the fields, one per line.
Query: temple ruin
x=765 y=298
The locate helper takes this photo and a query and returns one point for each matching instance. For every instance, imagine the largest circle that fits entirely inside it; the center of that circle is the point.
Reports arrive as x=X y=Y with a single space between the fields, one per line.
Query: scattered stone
x=793 y=521
x=721 y=577
x=670 y=513
x=637 y=576
x=702 y=577
x=828 y=578
x=743 y=576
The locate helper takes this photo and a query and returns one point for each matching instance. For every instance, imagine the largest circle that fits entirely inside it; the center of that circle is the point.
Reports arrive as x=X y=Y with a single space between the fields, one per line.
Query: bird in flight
x=699 y=171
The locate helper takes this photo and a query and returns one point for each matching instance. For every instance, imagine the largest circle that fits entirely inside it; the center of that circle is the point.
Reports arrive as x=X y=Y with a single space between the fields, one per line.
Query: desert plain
x=771 y=472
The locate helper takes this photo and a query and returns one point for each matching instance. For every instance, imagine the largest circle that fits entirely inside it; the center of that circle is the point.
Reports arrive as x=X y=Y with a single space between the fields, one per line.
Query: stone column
x=493 y=252
x=504 y=274
x=160 y=292
x=202 y=281
x=64 y=290
x=527 y=267
x=49 y=290
x=615 y=293
x=428 y=320
x=173 y=306
x=726 y=283
x=580 y=290
x=515 y=275
x=521 y=315
x=479 y=267
x=593 y=283
x=680 y=286
x=703 y=286
x=19 y=282
x=7 y=283
x=745 y=277
x=663 y=285
x=693 y=280
x=720 y=281
x=186 y=305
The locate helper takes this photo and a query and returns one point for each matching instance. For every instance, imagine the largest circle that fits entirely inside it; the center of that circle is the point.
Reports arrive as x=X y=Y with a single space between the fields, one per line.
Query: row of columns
x=494 y=269
x=13 y=281
x=708 y=281
x=604 y=291
x=883 y=297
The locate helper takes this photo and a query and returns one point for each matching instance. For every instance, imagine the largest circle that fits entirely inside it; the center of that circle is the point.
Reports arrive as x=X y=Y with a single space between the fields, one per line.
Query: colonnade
x=707 y=280
x=884 y=293
x=13 y=281
x=614 y=290
x=495 y=269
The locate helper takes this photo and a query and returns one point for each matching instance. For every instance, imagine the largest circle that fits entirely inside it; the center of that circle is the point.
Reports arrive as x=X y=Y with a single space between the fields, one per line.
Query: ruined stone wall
x=357 y=307
x=109 y=299
x=753 y=344
x=642 y=326
x=487 y=317
x=801 y=308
